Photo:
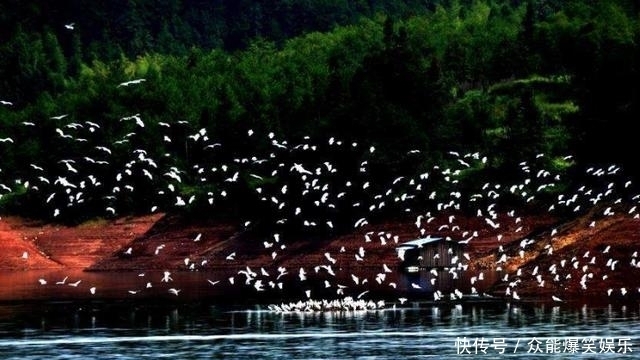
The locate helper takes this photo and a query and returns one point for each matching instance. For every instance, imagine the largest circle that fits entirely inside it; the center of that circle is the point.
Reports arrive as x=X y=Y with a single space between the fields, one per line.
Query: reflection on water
x=447 y=281
x=197 y=286
x=128 y=331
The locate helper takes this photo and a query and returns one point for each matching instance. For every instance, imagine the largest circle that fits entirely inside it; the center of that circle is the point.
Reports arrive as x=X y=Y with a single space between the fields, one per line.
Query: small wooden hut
x=428 y=253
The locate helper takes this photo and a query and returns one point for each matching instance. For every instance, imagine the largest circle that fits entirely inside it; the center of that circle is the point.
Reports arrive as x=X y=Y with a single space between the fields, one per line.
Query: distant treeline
x=507 y=79
x=134 y=27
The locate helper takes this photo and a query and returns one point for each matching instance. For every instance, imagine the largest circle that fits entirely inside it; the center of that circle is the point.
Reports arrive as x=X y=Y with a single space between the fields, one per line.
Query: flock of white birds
x=308 y=184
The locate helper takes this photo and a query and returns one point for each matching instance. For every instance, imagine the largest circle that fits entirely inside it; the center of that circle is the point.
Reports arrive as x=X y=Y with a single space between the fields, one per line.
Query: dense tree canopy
x=506 y=79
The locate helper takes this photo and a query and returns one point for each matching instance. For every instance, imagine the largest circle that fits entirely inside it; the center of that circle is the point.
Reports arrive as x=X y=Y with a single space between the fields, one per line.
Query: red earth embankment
x=541 y=256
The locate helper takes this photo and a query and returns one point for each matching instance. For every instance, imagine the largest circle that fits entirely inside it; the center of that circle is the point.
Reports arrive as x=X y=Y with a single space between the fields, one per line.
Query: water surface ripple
x=70 y=330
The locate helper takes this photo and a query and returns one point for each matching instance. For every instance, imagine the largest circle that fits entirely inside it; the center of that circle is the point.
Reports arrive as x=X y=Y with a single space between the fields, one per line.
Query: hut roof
x=418 y=242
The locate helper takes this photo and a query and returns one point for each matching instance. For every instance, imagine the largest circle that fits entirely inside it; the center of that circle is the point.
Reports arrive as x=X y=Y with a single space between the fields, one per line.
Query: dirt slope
x=577 y=259
x=57 y=246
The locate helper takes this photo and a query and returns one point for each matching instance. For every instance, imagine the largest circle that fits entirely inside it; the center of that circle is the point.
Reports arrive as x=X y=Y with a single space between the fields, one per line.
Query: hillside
x=153 y=128
x=585 y=245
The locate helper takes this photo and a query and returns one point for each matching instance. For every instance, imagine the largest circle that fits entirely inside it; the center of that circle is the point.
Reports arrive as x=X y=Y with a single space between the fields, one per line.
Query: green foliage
x=506 y=81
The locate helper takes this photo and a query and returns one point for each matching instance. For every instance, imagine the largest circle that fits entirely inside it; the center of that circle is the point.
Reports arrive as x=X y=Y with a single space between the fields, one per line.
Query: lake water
x=128 y=330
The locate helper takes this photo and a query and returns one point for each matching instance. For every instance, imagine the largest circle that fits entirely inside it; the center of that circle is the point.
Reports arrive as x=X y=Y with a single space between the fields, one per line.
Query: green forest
x=160 y=83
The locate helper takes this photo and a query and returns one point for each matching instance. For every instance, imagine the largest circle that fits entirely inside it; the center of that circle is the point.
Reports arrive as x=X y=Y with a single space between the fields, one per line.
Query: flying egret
x=174 y=291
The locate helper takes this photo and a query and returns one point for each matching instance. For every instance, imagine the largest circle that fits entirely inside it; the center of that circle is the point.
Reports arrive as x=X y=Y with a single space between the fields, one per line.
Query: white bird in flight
x=132 y=82
x=174 y=291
